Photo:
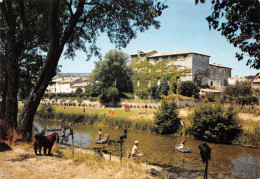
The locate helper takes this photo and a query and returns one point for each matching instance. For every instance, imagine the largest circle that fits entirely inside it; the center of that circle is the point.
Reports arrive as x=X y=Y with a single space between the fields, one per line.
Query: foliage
x=166 y=118
x=215 y=123
x=143 y=95
x=110 y=94
x=239 y=89
x=145 y=72
x=208 y=97
x=49 y=26
x=113 y=70
x=246 y=100
x=46 y=112
x=163 y=88
x=79 y=92
x=239 y=22
x=126 y=95
x=188 y=88
x=93 y=90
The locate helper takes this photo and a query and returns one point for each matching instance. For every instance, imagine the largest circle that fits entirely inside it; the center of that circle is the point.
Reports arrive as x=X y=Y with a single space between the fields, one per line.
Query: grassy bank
x=141 y=119
x=135 y=118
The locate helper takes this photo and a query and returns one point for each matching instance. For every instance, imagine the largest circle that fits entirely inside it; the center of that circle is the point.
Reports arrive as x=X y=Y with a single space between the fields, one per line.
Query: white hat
x=136 y=142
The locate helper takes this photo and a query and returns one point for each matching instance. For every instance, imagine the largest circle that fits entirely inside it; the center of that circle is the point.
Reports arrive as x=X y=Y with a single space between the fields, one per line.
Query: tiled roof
x=175 y=53
x=68 y=80
x=218 y=65
x=144 y=52
x=84 y=84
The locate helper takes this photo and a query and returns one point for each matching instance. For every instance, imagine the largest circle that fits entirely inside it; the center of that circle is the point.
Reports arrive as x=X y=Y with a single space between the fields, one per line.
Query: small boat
x=186 y=150
x=103 y=140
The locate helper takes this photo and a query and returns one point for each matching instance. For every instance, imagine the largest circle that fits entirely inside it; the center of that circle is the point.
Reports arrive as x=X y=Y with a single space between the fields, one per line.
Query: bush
x=166 y=118
x=188 y=88
x=214 y=123
x=46 y=112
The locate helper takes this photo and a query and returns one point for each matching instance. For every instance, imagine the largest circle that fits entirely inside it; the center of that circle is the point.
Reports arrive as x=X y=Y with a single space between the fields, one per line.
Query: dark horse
x=46 y=142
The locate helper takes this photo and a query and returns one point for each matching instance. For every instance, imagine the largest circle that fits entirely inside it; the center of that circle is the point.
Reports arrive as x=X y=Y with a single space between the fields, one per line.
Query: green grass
x=133 y=114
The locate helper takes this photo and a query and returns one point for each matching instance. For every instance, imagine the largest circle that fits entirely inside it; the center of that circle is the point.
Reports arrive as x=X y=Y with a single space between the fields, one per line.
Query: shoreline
x=21 y=162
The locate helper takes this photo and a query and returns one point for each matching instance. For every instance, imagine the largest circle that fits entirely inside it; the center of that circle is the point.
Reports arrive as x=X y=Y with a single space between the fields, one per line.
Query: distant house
x=67 y=85
x=256 y=82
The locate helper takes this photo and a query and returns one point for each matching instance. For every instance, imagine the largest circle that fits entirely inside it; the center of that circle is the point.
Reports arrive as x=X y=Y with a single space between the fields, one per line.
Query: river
x=226 y=160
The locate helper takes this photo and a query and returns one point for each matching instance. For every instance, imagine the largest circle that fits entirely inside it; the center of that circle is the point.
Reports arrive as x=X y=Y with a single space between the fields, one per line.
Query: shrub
x=214 y=123
x=188 y=88
x=46 y=112
x=166 y=118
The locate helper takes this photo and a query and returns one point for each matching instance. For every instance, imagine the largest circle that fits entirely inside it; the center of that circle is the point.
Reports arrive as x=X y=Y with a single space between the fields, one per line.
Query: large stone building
x=150 y=67
x=218 y=75
x=67 y=85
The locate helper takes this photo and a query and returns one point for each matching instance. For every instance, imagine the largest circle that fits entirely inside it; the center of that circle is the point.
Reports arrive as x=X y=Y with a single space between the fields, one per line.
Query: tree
x=215 y=123
x=19 y=45
x=113 y=70
x=70 y=23
x=163 y=88
x=188 y=88
x=93 y=90
x=166 y=118
x=239 y=22
x=78 y=92
x=239 y=89
x=110 y=94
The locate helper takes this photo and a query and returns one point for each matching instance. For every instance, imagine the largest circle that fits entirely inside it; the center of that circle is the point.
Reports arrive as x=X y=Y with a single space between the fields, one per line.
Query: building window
x=148 y=82
x=138 y=82
x=211 y=83
x=158 y=81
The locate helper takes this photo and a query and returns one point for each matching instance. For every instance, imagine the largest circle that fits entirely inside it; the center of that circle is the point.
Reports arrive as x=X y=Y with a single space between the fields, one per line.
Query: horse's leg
x=35 y=149
x=45 y=148
x=49 y=153
x=40 y=150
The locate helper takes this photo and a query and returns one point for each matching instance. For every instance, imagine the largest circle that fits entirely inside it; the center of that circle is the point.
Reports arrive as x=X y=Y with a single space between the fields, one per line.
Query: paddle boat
x=103 y=140
x=185 y=150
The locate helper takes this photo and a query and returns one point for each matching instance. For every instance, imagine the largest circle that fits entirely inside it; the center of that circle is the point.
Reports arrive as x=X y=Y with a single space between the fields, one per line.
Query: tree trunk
x=11 y=105
x=4 y=92
x=48 y=71
x=31 y=104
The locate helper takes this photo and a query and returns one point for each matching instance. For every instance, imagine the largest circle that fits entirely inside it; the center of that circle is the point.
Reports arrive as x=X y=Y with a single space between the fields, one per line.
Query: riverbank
x=21 y=162
x=140 y=119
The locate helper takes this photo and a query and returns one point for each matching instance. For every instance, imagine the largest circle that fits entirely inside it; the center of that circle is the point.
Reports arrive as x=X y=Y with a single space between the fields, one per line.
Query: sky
x=183 y=27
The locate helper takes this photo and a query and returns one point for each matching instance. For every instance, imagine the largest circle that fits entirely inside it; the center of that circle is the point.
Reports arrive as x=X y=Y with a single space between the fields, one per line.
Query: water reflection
x=159 y=149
